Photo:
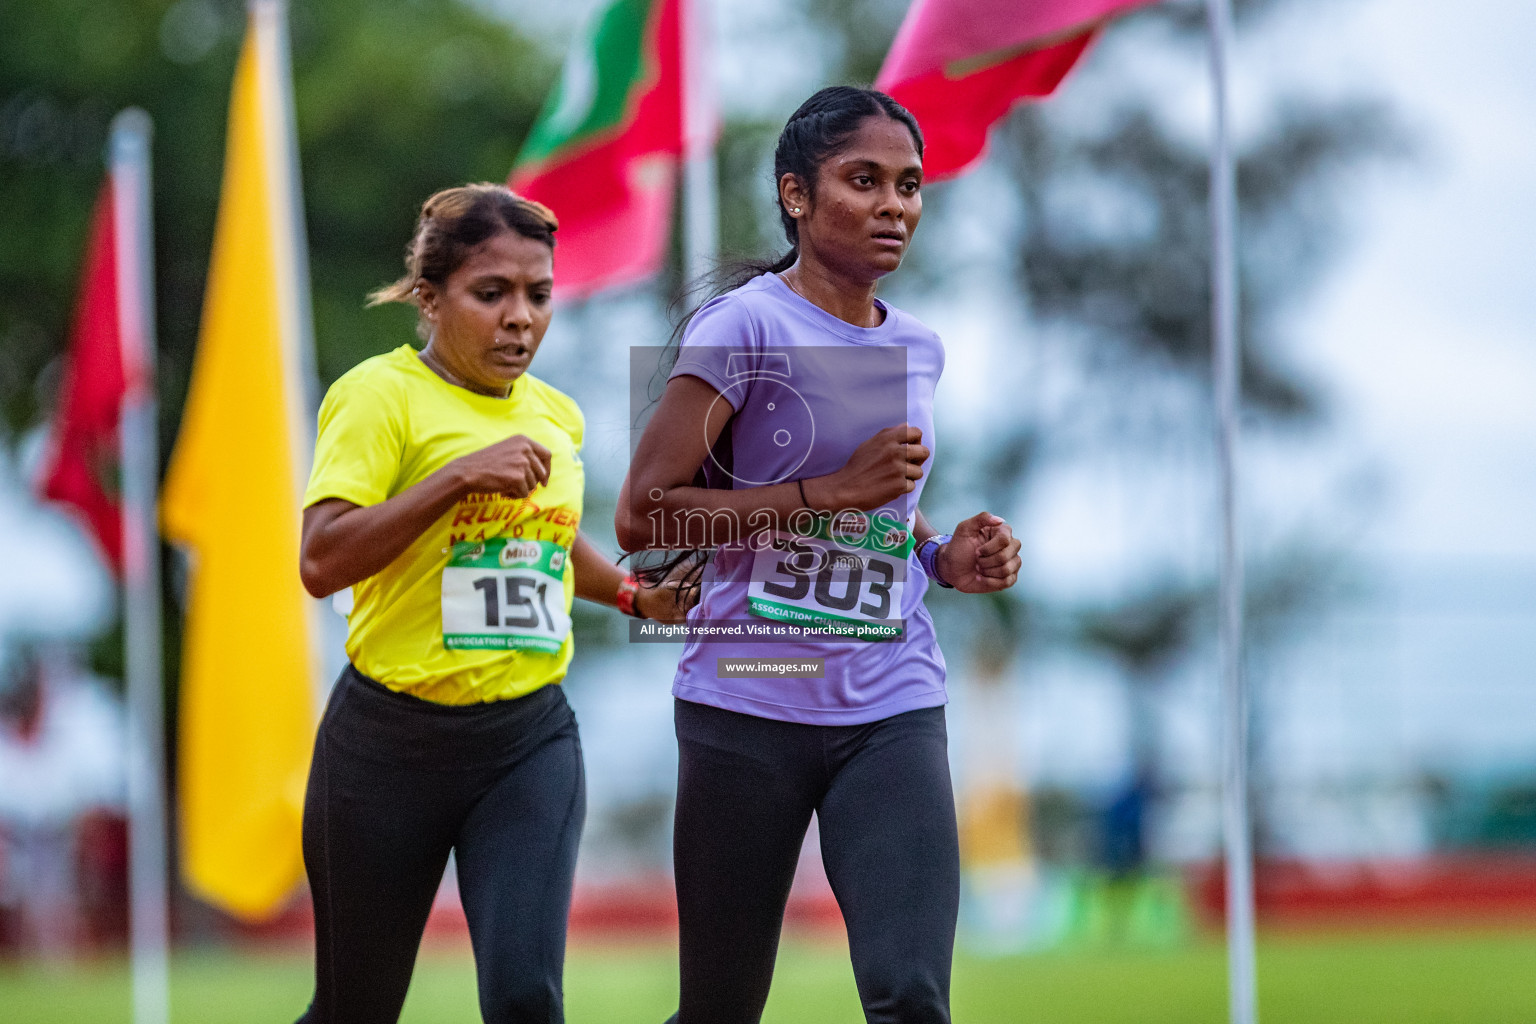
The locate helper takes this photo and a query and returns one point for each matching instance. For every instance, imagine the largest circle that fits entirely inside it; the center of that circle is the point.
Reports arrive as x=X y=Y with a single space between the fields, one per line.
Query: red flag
x=81 y=465
x=960 y=65
x=604 y=152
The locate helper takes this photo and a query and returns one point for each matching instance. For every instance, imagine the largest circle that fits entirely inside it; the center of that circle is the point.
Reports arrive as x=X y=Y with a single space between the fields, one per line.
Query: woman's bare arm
x=659 y=507
x=598 y=579
x=344 y=543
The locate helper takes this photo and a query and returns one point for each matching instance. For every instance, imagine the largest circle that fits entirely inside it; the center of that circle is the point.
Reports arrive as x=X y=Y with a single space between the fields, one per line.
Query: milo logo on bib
x=848 y=527
x=845 y=575
x=520 y=553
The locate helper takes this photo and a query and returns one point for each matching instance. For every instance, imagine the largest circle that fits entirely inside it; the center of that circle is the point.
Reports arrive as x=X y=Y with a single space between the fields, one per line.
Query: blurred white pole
x=269 y=22
x=701 y=230
x=147 y=864
x=1236 y=825
x=281 y=134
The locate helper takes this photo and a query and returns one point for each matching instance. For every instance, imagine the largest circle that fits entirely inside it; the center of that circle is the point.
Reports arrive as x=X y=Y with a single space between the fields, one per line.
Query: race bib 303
x=844 y=578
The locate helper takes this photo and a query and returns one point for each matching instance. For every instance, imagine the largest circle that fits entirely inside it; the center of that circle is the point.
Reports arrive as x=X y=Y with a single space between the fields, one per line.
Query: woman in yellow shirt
x=447 y=492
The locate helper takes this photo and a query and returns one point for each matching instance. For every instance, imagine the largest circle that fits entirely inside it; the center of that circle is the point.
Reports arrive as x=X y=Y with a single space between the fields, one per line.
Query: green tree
x=395 y=99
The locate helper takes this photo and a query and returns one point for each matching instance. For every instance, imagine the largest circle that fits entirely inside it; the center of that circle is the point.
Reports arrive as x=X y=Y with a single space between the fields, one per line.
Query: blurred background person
x=62 y=768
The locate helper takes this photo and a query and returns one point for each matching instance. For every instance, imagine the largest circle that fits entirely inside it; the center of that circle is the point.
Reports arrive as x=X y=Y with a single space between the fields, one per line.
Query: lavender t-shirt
x=807 y=389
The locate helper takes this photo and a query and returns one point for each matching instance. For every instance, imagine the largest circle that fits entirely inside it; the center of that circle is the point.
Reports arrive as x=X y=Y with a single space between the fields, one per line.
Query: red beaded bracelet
x=626 y=596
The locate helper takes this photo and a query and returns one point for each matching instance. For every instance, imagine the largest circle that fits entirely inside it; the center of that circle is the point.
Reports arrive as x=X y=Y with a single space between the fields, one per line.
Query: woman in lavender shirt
x=793 y=438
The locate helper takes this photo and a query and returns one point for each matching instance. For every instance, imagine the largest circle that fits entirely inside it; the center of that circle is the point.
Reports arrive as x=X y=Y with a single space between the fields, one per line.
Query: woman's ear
x=793 y=194
x=426 y=299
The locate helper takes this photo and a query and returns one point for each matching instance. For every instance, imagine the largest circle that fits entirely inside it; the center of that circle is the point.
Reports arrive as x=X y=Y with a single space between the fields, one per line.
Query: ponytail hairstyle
x=818 y=130
x=452 y=223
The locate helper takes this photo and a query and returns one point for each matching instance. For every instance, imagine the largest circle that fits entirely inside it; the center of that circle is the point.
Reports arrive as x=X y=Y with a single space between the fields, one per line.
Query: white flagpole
x=701 y=231
x=271 y=25
x=1236 y=823
x=269 y=20
x=129 y=159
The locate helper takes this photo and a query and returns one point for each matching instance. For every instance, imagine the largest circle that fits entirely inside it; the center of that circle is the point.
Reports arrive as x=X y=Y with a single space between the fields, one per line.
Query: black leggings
x=395 y=784
x=881 y=793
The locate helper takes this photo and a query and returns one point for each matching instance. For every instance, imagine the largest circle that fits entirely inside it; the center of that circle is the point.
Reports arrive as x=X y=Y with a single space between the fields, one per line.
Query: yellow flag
x=232 y=499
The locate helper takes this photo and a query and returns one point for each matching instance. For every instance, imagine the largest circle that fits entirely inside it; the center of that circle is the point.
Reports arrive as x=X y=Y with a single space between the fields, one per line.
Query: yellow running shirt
x=477 y=608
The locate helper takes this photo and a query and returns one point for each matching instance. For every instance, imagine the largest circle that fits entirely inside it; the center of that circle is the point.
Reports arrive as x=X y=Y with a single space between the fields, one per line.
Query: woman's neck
x=850 y=301
x=433 y=361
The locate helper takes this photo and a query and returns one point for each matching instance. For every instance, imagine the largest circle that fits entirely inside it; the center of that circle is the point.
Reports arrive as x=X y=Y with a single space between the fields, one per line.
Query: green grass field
x=1375 y=978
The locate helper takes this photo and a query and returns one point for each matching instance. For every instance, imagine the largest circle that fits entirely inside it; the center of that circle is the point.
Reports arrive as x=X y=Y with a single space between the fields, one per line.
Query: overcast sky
x=1428 y=329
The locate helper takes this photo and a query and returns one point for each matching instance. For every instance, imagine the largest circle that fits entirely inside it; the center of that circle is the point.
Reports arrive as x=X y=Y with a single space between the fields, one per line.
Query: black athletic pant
x=881 y=793
x=395 y=784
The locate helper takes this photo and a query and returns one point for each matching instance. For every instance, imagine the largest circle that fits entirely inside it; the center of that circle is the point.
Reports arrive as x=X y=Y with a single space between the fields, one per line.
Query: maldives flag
x=960 y=65
x=80 y=468
x=604 y=152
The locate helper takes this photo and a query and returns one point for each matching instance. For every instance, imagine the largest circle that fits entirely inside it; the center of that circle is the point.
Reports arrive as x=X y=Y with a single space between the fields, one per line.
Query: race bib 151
x=505 y=594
